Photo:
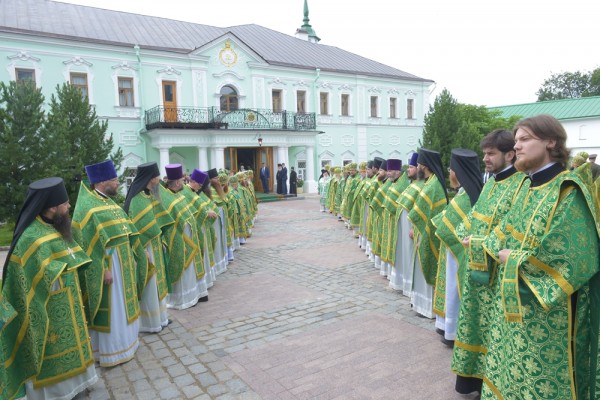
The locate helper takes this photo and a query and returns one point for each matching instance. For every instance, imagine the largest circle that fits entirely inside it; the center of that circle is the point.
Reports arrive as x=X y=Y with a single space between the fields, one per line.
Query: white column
x=219 y=158
x=164 y=159
x=202 y=158
x=310 y=183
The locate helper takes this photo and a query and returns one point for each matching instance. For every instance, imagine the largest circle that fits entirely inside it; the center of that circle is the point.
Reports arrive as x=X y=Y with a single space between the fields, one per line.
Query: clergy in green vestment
x=143 y=206
x=405 y=248
x=400 y=182
x=185 y=265
x=375 y=209
x=379 y=177
x=339 y=193
x=214 y=192
x=357 y=201
x=322 y=189
x=495 y=200
x=206 y=217
x=109 y=286
x=361 y=207
x=465 y=176
x=45 y=347
x=333 y=189
x=240 y=210
x=348 y=195
x=543 y=336
x=431 y=200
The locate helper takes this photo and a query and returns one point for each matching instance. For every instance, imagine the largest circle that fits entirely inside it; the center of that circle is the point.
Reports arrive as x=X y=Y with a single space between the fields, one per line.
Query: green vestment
x=183 y=249
x=543 y=334
x=470 y=347
x=430 y=201
x=100 y=224
x=143 y=213
x=390 y=218
x=377 y=223
x=446 y=225
x=47 y=340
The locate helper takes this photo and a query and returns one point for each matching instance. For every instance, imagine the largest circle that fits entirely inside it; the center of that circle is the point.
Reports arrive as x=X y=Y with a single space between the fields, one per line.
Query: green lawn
x=6 y=233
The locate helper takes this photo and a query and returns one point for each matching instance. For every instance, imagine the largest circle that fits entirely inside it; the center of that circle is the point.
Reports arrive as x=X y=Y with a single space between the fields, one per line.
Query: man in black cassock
x=293 y=181
x=279 y=178
x=284 y=178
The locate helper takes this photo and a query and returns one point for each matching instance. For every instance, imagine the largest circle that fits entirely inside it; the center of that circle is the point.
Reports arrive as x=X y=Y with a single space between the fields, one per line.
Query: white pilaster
x=164 y=159
x=202 y=158
x=310 y=183
x=219 y=158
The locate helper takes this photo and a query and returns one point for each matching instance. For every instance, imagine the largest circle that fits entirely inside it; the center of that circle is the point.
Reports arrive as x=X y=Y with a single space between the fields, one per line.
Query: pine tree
x=80 y=136
x=441 y=125
x=23 y=157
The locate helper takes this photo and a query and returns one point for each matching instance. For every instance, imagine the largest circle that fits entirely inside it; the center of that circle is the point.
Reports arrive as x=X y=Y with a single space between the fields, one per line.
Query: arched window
x=229 y=98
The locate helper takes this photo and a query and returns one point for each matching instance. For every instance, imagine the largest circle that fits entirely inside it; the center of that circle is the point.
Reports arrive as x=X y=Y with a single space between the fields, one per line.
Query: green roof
x=584 y=107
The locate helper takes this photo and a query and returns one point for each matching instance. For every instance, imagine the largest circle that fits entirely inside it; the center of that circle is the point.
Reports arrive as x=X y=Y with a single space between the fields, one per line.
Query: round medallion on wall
x=227 y=55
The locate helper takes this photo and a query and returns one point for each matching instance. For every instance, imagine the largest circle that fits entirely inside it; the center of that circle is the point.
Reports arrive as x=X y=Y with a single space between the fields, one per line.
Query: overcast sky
x=485 y=52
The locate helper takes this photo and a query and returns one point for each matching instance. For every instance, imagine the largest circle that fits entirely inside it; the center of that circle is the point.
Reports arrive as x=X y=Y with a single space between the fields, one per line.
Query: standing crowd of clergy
x=78 y=291
x=509 y=269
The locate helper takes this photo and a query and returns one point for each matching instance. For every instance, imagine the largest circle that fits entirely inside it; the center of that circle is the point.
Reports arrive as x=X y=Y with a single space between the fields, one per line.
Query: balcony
x=214 y=118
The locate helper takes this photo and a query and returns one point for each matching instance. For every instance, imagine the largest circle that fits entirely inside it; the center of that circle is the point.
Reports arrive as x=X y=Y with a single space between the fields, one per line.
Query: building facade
x=208 y=97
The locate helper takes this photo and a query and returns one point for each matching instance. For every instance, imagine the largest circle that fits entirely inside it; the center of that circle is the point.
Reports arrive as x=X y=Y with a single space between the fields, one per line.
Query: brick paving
x=300 y=314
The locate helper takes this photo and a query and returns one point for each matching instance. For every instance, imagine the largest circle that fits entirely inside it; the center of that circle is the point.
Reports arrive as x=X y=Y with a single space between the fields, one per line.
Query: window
x=24 y=75
x=301 y=169
x=129 y=176
x=346 y=162
x=374 y=106
x=345 y=105
x=324 y=103
x=229 y=98
x=80 y=82
x=276 y=95
x=301 y=101
x=410 y=113
x=325 y=162
x=126 y=92
x=392 y=107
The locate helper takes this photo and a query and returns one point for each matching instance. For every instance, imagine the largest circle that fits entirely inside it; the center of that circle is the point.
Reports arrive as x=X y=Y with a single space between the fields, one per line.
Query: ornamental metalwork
x=214 y=118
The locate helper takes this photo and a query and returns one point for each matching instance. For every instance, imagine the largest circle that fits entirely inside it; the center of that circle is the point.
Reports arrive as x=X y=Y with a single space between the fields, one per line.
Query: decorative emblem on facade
x=124 y=66
x=412 y=141
x=78 y=61
x=374 y=89
x=23 y=56
x=277 y=81
x=345 y=86
x=169 y=70
x=326 y=85
x=375 y=140
x=348 y=140
x=409 y=92
x=395 y=140
x=227 y=55
x=393 y=91
x=325 y=140
x=250 y=117
x=301 y=83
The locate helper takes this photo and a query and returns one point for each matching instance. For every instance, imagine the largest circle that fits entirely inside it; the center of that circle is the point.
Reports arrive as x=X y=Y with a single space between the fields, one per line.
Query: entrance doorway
x=251 y=158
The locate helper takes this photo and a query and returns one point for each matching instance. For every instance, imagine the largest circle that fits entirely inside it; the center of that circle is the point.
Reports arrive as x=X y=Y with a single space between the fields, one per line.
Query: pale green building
x=207 y=96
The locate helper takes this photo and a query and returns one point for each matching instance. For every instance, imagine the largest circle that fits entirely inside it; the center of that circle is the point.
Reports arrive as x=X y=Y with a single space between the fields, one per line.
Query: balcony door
x=170 y=100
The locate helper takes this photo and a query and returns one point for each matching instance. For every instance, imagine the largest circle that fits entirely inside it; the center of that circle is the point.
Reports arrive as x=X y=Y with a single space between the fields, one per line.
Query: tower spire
x=306 y=31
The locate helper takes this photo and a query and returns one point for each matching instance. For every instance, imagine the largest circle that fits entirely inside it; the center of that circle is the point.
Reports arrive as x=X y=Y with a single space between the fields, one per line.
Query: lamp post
x=259 y=141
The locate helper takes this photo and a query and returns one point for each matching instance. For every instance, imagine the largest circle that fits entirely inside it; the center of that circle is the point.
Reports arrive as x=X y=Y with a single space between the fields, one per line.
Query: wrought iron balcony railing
x=214 y=118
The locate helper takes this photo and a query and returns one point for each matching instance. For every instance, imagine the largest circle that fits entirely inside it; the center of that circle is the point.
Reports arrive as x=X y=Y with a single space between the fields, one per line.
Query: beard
x=155 y=192
x=110 y=191
x=62 y=224
x=528 y=164
x=420 y=175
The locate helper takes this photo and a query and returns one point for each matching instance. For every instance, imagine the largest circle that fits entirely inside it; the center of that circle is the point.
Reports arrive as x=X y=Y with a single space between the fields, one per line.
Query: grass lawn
x=6 y=233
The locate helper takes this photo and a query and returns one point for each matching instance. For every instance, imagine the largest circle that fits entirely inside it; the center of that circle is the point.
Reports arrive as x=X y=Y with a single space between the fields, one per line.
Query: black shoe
x=440 y=331
x=169 y=322
x=203 y=299
x=449 y=343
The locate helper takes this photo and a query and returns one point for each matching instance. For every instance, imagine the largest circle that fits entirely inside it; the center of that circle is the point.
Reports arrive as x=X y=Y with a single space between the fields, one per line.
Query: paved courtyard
x=300 y=314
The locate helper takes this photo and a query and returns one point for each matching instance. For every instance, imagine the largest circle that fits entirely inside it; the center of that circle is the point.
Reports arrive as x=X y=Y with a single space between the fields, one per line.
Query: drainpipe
x=142 y=110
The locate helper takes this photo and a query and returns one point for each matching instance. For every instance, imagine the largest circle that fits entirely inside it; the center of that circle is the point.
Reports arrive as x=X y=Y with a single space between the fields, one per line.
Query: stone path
x=300 y=314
